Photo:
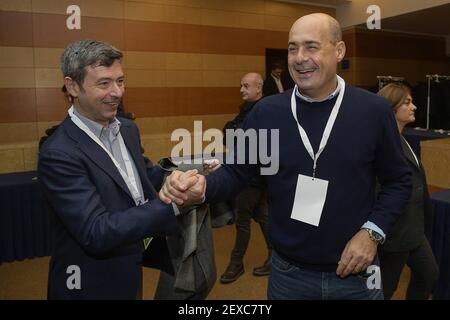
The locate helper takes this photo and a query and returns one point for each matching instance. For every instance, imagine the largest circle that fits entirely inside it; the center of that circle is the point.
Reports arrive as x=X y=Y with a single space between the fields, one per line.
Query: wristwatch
x=375 y=236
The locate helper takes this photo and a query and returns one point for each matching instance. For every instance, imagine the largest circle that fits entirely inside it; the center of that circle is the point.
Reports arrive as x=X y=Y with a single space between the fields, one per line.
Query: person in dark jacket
x=407 y=243
x=101 y=192
x=250 y=202
x=278 y=81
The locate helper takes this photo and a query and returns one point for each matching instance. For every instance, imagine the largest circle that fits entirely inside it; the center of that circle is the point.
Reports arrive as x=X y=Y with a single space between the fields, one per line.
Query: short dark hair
x=277 y=65
x=66 y=93
x=81 y=54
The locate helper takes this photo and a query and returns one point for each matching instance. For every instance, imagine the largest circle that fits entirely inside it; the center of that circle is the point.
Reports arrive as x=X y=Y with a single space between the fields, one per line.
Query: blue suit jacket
x=97 y=226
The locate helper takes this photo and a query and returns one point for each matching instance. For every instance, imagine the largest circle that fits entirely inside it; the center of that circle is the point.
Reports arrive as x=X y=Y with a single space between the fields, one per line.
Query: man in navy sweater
x=336 y=141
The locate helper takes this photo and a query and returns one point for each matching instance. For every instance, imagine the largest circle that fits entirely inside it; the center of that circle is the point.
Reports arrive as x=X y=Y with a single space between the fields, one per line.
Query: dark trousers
x=166 y=289
x=424 y=271
x=250 y=203
x=139 y=294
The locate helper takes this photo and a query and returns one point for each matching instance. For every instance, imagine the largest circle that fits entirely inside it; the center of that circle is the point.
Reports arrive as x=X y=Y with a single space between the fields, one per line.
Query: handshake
x=187 y=188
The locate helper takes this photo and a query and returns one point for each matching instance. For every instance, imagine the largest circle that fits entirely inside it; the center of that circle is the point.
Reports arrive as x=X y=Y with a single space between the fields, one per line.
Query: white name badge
x=310 y=196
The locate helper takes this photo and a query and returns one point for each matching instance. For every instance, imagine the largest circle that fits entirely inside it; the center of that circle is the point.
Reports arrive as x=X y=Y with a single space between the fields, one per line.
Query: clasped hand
x=183 y=188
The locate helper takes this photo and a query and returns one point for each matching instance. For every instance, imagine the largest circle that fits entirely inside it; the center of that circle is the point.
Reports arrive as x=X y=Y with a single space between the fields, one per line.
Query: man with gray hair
x=99 y=188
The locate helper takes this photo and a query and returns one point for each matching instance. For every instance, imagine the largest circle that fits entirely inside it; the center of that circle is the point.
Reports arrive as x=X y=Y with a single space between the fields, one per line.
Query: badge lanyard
x=328 y=127
x=128 y=176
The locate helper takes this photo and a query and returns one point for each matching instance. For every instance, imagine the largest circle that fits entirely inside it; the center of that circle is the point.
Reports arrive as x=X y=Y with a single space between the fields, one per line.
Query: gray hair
x=259 y=81
x=81 y=54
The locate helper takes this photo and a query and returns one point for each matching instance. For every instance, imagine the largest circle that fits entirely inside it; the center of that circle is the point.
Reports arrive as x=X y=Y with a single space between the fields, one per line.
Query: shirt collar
x=97 y=128
x=331 y=96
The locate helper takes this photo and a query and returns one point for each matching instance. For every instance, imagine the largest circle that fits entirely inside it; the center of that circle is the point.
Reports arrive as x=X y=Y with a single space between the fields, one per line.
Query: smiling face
x=100 y=93
x=313 y=55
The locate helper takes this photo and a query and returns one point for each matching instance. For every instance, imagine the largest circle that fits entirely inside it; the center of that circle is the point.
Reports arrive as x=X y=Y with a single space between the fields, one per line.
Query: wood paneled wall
x=183 y=62
x=373 y=52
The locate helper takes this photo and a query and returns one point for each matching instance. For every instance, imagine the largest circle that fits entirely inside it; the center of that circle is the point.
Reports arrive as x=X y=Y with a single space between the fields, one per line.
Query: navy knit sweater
x=364 y=144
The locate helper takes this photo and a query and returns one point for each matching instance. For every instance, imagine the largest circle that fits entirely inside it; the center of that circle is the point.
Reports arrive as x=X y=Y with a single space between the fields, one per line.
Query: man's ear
x=72 y=86
x=340 y=50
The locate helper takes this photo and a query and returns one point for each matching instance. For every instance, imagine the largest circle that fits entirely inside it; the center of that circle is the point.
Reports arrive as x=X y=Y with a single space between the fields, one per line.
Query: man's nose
x=301 y=55
x=117 y=90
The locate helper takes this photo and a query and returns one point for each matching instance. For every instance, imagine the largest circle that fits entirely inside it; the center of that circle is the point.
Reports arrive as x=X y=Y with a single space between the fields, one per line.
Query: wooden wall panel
x=14 y=132
x=381 y=44
x=384 y=53
x=16 y=57
x=436 y=161
x=105 y=29
x=158 y=102
x=89 y=8
x=34 y=30
x=51 y=104
x=16 y=29
x=17 y=78
x=17 y=105
x=183 y=61
x=16 y=5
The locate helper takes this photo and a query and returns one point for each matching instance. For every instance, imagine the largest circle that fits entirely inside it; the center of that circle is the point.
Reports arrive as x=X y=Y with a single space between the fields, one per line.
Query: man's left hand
x=183 y=188
x=358 y=254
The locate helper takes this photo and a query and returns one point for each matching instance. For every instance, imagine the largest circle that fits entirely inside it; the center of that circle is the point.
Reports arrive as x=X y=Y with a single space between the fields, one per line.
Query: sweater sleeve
x=240 y=166
x=392 y=172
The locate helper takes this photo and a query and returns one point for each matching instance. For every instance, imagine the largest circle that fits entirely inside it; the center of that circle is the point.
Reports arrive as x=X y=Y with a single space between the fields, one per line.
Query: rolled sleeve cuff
x=372 y=226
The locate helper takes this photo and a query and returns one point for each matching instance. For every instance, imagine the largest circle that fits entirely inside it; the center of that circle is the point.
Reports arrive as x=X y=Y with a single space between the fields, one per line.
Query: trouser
x=139 y=294
x=289 y=282
x=166 y=289
x=250 y=203
x=424 y=271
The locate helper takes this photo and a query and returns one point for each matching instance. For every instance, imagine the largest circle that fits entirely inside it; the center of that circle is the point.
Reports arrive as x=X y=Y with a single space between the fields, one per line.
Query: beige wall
x=183 y=62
